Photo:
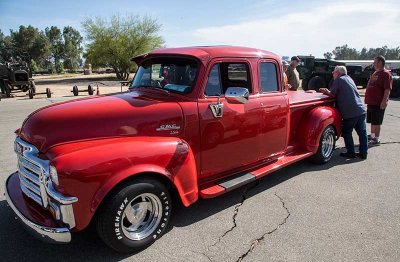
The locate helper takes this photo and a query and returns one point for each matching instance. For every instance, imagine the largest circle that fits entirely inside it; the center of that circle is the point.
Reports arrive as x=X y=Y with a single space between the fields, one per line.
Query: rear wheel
x=90 y=90
x=326 y=146
x=316 y=83
x=30 y=94
x=2 y=86
x=8 y=90
x=48 y=93
x=75 y=90
x=304 y=84
x=134 y=217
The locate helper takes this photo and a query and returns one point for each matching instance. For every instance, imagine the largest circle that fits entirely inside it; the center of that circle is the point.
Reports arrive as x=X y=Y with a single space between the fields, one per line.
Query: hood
x=128 y=114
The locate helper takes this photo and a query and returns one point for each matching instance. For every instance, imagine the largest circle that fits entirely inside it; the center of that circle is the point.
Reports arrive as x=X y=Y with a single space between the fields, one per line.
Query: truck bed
x=301 y=98
x=300 y=103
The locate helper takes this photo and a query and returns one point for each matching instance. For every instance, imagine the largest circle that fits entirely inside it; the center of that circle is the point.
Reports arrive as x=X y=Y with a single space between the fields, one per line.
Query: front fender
x=90 y=170
x=313 y=124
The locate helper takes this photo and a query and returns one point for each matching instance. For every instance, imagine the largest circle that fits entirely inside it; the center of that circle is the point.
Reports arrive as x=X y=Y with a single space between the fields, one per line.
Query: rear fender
x=90 y=170
x=313 y=124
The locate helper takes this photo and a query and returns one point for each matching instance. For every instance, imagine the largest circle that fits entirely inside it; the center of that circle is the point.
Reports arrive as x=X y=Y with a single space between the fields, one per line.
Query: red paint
x=97 y=143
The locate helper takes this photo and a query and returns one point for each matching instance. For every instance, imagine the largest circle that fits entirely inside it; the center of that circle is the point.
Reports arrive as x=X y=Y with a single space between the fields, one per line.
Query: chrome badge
x=174 y=128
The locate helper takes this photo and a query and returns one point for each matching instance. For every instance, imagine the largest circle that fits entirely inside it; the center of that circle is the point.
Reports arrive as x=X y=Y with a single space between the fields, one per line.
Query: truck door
x=275 y=110
x=229 y=132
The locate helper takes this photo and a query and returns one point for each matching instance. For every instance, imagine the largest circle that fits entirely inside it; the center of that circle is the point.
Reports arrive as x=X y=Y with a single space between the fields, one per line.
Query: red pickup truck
x=197 y=122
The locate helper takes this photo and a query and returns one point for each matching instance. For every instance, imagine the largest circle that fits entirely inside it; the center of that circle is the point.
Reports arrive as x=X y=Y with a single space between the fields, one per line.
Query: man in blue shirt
x=353 y=111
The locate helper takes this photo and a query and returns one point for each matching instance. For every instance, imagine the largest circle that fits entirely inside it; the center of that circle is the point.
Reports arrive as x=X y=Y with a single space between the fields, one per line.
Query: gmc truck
x=197 y=122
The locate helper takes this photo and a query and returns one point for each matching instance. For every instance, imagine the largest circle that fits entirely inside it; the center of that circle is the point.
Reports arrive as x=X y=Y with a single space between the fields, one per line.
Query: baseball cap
x=295 y=58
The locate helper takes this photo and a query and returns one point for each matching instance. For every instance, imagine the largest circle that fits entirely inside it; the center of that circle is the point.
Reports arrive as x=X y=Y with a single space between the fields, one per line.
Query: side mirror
x=237 y=95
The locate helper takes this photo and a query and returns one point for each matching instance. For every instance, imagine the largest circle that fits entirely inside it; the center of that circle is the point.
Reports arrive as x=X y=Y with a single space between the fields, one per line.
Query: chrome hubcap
x=141 y=216
x=328 y=142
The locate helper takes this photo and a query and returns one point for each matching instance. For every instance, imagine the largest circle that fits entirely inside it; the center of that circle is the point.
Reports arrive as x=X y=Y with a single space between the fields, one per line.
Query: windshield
x=171 y=74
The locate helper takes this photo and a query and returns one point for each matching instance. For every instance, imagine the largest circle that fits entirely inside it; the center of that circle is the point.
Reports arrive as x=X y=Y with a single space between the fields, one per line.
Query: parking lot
x=346 y=210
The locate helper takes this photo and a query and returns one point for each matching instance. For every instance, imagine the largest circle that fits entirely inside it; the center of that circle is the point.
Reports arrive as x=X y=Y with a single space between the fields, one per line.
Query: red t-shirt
x=377 y=84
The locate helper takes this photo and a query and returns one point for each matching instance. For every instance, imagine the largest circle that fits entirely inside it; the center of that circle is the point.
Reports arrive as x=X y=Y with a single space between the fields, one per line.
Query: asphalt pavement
x=345 y=210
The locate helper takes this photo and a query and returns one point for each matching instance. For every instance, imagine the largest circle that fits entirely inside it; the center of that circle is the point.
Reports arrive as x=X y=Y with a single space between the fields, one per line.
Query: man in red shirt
x=377 y=97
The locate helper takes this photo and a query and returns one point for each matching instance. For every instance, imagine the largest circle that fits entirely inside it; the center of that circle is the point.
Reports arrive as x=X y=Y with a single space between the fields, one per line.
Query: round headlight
x=54 y=175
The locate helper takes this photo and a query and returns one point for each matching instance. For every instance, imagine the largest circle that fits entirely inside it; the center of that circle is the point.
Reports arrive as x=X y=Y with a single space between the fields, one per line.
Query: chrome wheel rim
x=141 y=216
x=328 y=142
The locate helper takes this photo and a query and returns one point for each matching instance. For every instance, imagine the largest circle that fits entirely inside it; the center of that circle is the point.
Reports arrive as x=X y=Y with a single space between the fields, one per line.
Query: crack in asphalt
x=389 y=143
x=50 y=100
x=201 y=253
x=258 y=240
x=235 y=213
x=393 y=115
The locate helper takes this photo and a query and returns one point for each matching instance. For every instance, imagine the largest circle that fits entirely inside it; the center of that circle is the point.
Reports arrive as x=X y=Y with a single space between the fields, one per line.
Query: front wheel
x=326 y=146
x=135 y=216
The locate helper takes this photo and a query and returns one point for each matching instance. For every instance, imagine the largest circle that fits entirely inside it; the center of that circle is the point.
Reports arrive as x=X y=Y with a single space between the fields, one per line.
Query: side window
x=237 y=72
x=236 y=75
x=213 y=87
x=269 y=81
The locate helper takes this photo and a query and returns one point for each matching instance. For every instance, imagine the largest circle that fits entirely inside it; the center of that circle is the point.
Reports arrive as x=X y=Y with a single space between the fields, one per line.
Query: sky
x=284 y=27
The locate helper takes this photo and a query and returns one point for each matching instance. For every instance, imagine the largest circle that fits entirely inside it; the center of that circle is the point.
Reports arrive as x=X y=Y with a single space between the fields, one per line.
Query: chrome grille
x=30 y=182
x=36 y=184
x=32 y=172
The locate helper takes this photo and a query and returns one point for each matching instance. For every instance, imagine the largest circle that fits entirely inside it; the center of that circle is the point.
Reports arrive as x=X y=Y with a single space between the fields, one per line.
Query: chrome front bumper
x=45 y=233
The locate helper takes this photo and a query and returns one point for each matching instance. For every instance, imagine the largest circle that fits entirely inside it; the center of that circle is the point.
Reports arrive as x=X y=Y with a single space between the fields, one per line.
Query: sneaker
x=369 y=138
x=361 y=155
x=348 y=155
x=374 y=142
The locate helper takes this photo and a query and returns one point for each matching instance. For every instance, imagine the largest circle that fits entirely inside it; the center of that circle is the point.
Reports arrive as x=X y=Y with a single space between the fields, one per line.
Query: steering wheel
x=156 y=83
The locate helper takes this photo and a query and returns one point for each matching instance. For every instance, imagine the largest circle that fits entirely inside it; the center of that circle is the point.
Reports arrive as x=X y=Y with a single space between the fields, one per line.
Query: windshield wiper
x=154 y=87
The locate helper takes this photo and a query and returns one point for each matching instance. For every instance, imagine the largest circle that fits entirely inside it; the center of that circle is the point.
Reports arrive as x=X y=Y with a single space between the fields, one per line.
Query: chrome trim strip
x=32 y=153
x=31 y=195
x=25 y=182
x=52 y=235
x=27 y=165
x=58 y=197
x=42 y=188
x=28 y=176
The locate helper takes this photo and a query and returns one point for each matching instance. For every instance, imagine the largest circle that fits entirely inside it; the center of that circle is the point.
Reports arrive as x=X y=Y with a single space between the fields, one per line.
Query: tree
x=113 y=44
x=328 y=55
x=34 y=66
x=344 y=52
x=31 y=40
x=72 y=47
x=54 y=37
x=5 y=43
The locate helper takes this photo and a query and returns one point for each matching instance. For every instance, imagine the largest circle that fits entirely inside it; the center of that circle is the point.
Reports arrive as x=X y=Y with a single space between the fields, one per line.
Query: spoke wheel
x=328 y=143
x=326 y=146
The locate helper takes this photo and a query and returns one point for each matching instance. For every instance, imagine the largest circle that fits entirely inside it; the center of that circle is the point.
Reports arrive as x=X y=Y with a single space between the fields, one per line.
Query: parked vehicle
x=15 y=73
x=316 y=73
x=356 y=73
x=197 y=122
x=395 y=93
x=389 y=64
